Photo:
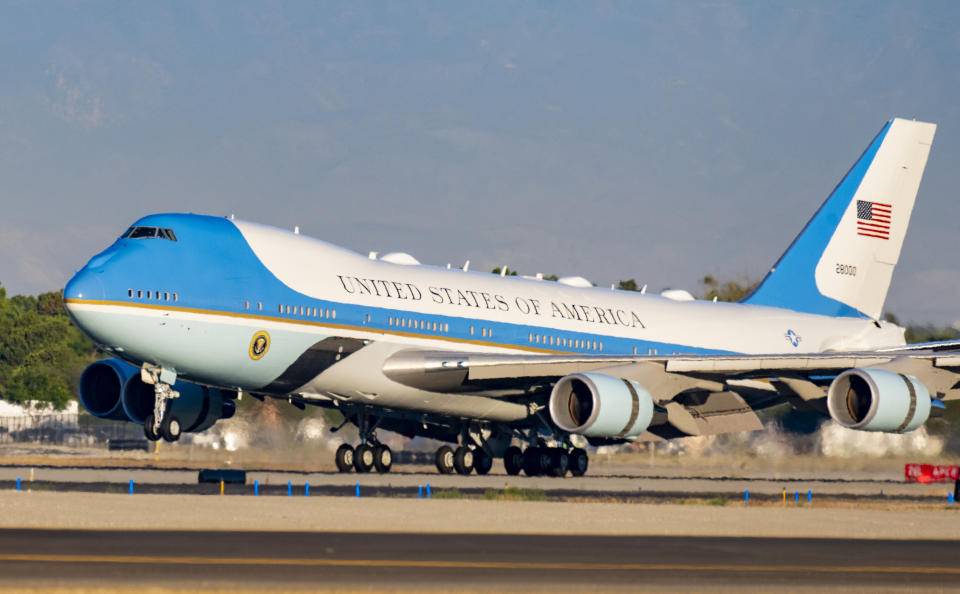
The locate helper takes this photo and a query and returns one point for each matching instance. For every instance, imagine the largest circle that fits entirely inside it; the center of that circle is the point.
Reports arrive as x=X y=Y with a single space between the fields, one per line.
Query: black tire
x=579 y=462
x=344 y=458
x=363 y=458
x=382 y=458
x=559 y=462
x=513 y=460
x=444 y=459
x=532 y=461
x=170 y=428
x=482 y=461
x=463 y=460
x=148 y=429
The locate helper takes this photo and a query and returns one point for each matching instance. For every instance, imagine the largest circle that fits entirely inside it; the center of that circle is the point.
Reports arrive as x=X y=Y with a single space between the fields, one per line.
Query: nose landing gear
x=161 y=422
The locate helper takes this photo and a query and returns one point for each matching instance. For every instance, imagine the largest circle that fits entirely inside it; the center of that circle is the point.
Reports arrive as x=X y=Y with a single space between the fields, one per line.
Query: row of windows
x=310 y=312
x=412 y=323
x=575 y=343
x=148 y=294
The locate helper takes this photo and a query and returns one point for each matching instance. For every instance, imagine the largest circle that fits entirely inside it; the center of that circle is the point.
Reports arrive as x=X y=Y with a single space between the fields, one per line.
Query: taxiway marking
x=303 y=562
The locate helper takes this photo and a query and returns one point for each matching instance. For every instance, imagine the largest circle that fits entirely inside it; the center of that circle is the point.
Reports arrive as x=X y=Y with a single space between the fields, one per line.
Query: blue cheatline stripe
x=507 y=335
x=791 y=283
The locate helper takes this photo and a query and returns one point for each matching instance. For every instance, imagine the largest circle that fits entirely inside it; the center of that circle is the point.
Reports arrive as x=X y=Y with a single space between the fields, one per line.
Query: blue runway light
x=18 y=483
x=131 y=486
x=950 y=498
x=289 y=489
x=796 y=496
x=256 y=488
x=358 y=489
x=809 y=496
x=306 y=489
x=746 y=496
x=428 y=490
x=419 y=489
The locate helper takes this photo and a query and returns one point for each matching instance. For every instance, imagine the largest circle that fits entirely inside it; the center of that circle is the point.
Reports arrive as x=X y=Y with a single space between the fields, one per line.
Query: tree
x=509 y=272
x=628 y=285
x=727 y=291
x=42 y=353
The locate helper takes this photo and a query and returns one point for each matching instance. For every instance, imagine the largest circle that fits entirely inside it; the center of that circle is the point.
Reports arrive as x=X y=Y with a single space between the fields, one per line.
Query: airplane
x=198 y=310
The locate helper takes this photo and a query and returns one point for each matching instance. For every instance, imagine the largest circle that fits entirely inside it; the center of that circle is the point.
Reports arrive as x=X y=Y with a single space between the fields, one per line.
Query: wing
x=691 y=395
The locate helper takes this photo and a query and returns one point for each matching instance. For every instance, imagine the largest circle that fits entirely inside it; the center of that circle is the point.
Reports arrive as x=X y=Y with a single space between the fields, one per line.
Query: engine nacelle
x=112 y=389
x=101 y=386
x=598 y=405
x=878 y=400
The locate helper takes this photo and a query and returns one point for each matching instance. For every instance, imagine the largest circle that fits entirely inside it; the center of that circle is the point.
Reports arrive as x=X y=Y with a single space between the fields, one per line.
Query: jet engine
x=112 y=389
x=598 y=405
x=878 y=400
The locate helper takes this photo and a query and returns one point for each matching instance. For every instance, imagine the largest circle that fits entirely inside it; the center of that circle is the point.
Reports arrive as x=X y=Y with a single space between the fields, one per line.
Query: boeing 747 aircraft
x=198 y=309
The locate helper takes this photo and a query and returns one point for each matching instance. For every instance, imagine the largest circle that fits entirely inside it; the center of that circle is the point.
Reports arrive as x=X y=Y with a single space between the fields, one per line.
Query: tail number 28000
x=846 y=270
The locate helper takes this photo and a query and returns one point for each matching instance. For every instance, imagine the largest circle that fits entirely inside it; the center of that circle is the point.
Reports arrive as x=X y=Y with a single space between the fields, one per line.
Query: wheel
x=363 y=458
x=482 y=461
x=382 y=458
x=513 y=460
x=344 y=458
x=170 y=428
x=578 y=462
x=148 y=429
x=559 y=462
x=533 y=461
x=463 y=460
x=445 y=459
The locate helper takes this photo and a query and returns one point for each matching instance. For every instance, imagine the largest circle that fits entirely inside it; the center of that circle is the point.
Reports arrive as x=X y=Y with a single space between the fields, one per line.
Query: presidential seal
x=259 y=345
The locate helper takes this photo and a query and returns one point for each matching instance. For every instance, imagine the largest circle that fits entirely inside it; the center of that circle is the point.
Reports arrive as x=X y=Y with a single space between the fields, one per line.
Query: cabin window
x=129 y=292
x=368 y=318
x=280 y=308
x=166 y=296
x=333 y=314
x=175 y=297
x=446 y=327
x=259 y=306
x=246 y=305
x=471 y=330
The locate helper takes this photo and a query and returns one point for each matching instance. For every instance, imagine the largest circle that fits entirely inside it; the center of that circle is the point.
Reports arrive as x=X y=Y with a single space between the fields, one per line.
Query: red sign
x=930 y=473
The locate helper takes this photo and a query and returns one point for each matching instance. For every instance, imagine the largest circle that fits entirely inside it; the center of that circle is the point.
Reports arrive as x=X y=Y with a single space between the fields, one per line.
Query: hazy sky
x=655 y=140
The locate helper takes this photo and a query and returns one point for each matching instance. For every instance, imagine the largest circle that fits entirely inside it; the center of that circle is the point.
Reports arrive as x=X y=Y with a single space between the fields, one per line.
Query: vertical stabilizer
x=842 y=261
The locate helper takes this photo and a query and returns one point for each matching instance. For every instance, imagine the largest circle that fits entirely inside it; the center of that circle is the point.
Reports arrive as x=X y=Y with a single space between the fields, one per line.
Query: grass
x=447 y=494
x=515 y=494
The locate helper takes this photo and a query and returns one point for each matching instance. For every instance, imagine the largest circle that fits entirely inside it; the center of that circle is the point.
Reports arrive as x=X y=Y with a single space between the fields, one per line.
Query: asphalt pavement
x=434 y=562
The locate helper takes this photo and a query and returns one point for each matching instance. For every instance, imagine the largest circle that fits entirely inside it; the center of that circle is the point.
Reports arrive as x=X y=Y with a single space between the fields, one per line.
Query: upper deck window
x=149 y=233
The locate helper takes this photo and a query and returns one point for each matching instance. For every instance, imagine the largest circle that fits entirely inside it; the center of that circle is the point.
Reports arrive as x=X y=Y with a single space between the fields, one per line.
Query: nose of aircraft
x=85 y=285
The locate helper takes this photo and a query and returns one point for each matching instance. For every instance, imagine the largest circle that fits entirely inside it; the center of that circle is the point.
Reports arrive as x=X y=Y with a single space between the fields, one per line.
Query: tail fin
x=842 y=261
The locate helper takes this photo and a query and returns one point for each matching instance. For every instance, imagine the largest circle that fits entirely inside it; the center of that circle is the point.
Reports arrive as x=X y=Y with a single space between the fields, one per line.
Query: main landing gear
x=369 y=454
x=161 y=422
x=545 y=461
x=364 y=458
x=463 y=460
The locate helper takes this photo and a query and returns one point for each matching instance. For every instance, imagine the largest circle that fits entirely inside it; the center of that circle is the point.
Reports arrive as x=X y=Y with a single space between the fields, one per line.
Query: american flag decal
x=873 y=219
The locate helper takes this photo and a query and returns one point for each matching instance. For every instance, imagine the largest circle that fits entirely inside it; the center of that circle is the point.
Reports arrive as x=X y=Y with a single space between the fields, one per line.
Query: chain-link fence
x=69 y=429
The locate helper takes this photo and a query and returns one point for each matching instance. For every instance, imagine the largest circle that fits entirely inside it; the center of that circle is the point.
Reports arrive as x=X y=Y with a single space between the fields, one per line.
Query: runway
x=407 y=482
x=336 y=560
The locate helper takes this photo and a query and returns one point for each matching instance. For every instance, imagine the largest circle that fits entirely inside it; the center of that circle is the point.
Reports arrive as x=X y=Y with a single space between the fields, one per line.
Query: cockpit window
x=149 y=233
